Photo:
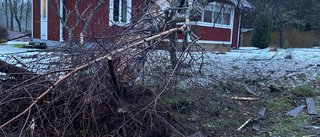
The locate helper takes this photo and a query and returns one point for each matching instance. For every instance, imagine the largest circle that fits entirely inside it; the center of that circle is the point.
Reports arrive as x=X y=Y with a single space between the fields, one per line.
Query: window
x=119 y=12
x=44 y=8
x=217 y=15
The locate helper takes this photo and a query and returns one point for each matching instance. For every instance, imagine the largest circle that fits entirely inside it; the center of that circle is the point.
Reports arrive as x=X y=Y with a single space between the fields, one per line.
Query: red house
x=219 y=25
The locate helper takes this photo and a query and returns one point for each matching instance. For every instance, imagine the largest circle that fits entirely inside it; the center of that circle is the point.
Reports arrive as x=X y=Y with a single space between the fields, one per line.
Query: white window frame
x=118 y=22
x=209 y=24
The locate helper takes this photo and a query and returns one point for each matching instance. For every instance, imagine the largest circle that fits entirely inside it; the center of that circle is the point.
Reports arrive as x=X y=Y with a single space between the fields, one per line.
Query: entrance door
x=44 y=19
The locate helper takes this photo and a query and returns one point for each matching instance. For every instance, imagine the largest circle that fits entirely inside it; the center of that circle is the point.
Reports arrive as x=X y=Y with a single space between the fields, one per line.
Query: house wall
x=36 y=19
x=97 y=23
x=212 y=33
x=53 y=22
x=224 y=37
x=235 y=34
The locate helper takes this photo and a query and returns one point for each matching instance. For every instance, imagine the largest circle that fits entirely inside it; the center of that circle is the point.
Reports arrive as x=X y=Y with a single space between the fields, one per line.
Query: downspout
x=239 y=31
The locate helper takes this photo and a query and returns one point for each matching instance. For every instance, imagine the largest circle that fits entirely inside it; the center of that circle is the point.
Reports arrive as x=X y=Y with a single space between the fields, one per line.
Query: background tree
x=16 y=13
x=27 y=14
x=262 y=32
x=84 y=16
x=19 y=7
x=307 y=17
x=300 y=14
x=5 y=8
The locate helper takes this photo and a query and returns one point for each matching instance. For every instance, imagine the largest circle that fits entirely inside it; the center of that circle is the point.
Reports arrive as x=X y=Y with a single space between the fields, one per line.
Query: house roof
x=243 y=4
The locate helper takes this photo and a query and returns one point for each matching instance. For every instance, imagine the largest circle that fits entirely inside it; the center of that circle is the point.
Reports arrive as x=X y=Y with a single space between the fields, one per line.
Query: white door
x=44 y=19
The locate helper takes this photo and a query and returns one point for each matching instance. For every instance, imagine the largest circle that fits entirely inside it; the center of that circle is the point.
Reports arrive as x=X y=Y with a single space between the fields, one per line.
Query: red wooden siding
x=212 y=33
x=53 y=22
x=235 y=33
x=99 y=25
x=36 y=19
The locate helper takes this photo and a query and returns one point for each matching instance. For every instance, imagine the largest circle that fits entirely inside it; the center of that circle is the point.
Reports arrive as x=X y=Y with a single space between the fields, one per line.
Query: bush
x=261 y=36
x=286 y=44
x=3 y=34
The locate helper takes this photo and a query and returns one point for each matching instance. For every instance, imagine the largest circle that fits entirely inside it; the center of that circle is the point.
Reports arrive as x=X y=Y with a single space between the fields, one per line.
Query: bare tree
x=19 y=11
x=15 y=11
x=82 y=16
x=11 y=14
x=27 y=13
x=5 y=8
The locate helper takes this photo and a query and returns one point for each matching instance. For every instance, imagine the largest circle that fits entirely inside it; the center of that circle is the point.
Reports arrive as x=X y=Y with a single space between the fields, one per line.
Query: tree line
x=301 y=14
x=17 y=11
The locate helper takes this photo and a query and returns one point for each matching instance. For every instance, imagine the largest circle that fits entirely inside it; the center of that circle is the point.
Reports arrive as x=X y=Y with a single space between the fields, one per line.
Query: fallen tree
x=15 y=71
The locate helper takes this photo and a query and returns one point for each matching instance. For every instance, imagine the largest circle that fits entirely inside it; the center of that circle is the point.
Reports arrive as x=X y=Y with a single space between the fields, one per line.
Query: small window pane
x=226 y=18
x=116 y=10
x=218 y=17
x=207 y=16
x=44 y=8
x=124 y=11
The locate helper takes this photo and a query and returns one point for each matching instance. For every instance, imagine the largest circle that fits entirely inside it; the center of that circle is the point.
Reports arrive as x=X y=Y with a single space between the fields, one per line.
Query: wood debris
x=274 y=88
x=244 y=98
x=311 y=106
x=18 y=61
x=256 y=126
x=296 y=111
x=250 y=91
x=245 y=123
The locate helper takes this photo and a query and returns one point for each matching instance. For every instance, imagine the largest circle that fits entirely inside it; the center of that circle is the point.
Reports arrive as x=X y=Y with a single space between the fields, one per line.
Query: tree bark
x=5 y=7
x=280 y=32
x=16 y=16
x=11 y=15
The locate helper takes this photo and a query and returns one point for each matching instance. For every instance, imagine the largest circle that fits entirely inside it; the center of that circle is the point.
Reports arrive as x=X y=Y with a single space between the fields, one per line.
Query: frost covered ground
x=259 y=66
x=246 y=63
x=251 y=63
x=255 y=68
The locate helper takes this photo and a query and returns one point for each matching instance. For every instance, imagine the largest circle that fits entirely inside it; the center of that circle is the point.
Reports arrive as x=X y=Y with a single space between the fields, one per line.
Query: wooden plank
x=296 y=111
x=244 y=98
x=239 y=129
x=261 y=113
x=256 y=126
x=311 y=106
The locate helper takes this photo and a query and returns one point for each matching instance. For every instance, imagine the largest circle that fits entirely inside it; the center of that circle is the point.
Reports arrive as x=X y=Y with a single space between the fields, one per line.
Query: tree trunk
x=317 y=38
x=11 y=15
x=5 y=7
x=27 y=15
x=280 y=32
x=12 y=70
x=18 y=21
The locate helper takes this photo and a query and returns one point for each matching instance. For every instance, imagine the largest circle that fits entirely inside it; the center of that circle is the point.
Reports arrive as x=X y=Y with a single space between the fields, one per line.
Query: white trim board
x=204 y=41
x=61 y=15
x=32 y=20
